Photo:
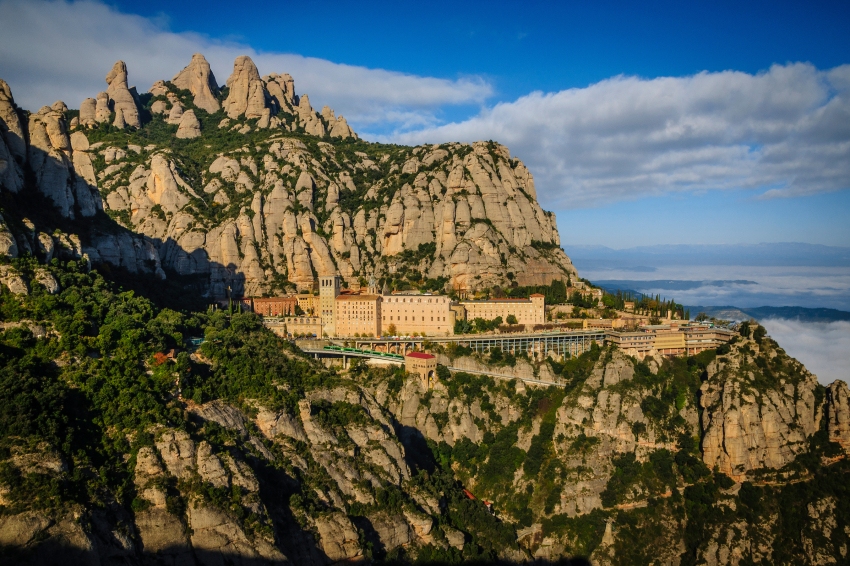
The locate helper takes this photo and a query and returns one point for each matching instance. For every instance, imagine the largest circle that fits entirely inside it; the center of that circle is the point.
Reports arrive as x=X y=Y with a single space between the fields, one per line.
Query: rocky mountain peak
x=246 y=94
x=122 y=100
x=198 y=78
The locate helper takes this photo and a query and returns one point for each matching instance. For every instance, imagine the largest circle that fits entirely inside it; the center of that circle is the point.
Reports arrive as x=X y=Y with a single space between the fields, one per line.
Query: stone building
x=526 y=311
x=328 y=291
x=423 y=365
x=273 y=306
x=357 y=314
x=428 y=315
x=296 y=326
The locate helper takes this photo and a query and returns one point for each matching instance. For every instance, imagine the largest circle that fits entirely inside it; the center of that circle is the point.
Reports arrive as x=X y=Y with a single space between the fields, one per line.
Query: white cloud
x=783 y=132
x=824 y=348
x=52 y=50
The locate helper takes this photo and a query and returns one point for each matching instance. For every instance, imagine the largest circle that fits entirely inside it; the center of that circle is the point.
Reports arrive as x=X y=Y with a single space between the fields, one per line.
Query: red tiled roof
x=420 y=355
x=537 y=295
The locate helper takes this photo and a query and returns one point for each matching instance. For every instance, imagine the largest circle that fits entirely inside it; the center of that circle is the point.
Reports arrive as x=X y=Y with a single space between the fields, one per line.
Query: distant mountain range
x=646 y=258
x=800 y=313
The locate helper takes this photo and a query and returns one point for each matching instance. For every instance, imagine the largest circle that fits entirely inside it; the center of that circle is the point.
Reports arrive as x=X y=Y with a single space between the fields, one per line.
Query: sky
x=643 y=123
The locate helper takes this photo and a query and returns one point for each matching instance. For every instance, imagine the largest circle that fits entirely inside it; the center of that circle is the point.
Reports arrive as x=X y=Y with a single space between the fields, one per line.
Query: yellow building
x=310 y=304
x=670 y=343
x=428 y=315
x=526 y=311
x=632 y=343
x=701 y=338
x=357 y=314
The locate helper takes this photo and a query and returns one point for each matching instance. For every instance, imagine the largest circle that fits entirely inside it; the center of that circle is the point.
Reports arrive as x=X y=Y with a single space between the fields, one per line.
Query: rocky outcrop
x=122 y=99
x=246 y=95
x=749 y=428
x=8 y=245
x=198 y=79
x=838 y=414
x=49 y=158
x=189 y=127
x=13 y=149
x=338 y=537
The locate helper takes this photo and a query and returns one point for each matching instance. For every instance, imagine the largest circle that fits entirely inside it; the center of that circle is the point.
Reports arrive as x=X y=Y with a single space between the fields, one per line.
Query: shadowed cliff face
x=252 y=177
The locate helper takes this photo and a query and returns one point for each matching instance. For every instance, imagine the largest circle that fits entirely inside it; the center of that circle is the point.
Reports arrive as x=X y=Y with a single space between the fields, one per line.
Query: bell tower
x=328 y=291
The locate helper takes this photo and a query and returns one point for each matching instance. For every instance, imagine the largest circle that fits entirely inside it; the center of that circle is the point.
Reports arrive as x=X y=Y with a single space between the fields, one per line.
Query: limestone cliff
x=250 y=188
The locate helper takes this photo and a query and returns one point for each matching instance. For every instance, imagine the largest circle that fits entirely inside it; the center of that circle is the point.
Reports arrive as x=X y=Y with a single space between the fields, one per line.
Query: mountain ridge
x=264 y=194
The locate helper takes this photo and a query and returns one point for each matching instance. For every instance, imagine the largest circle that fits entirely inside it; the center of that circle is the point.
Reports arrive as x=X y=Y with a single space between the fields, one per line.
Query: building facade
x=328 y=291
x=357 y=315
x=428 y=315
x=422 y=365
x=310 y=304
x=273 y=306
x=295 y=326
x=526 y=311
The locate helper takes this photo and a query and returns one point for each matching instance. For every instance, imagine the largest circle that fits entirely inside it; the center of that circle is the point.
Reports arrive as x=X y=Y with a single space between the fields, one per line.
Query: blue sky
x=731 y=119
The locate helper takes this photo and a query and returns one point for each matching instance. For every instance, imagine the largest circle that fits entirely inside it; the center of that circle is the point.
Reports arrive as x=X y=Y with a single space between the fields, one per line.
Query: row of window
x=414 y=319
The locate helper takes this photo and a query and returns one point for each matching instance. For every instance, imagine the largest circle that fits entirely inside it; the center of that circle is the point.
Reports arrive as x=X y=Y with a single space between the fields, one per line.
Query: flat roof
x=357 y=297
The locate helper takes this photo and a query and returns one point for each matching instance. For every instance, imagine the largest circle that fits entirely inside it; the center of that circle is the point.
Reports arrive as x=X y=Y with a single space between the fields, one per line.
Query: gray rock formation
x=189 y=127
x=748 y=428
x=122 y=99
x=49 y=158
x=200 y=81
x=11 y=128
x=246 y=95
x=838 y=410
x=8 y=245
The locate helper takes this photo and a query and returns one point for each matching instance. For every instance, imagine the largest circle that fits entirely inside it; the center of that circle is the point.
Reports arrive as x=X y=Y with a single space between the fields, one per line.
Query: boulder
x=175 y=114
x=189 y=127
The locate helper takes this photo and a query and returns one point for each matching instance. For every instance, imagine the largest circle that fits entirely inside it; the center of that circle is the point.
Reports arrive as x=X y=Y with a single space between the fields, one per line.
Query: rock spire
x=121 y=97
x=198 y=79
x=247 y=93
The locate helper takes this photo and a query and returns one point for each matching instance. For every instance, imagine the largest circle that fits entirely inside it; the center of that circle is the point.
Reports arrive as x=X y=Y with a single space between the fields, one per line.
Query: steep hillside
x=242 y=452
x=248 y=187
x=719 y=458
x=116 y=450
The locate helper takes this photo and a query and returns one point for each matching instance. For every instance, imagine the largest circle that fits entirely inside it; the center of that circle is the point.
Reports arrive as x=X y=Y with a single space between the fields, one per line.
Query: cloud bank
x=783 y=132
x=824 y=348
x=53 y=50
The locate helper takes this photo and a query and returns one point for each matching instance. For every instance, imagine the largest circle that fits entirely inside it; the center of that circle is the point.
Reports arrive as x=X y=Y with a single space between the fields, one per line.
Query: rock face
x=749 y=428
x=246 y=94
x=122 y=99
x=200 y=81
x=838 y=409
x=273 y=217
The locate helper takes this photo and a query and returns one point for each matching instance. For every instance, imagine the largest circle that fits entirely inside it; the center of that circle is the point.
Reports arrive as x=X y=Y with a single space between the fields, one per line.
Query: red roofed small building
x=424 y=365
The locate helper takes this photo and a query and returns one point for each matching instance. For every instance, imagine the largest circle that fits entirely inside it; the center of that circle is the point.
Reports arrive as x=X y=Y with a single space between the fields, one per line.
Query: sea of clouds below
x=823 y=347
x=804 y=286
